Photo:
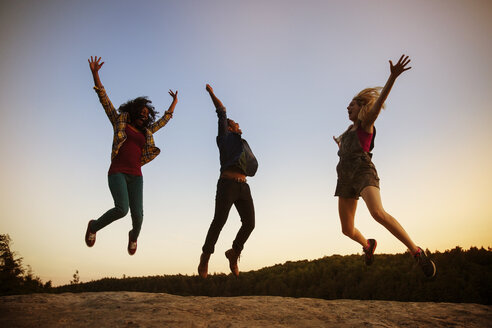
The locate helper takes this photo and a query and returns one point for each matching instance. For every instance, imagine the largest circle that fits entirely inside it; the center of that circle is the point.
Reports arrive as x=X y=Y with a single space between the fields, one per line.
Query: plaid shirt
x=119 y=122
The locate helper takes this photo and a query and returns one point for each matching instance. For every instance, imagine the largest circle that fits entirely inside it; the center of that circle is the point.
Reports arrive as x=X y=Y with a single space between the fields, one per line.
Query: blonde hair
x=366 y=99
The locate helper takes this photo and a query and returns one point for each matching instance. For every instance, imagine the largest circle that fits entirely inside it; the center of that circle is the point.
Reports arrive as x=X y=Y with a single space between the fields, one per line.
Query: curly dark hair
x=133 y=107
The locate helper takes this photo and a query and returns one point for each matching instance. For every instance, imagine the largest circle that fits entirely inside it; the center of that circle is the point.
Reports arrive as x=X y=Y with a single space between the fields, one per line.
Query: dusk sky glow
x=286 y=71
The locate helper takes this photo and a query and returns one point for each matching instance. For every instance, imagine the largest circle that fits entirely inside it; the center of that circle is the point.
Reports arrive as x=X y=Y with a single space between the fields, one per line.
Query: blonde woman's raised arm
x=395 y=70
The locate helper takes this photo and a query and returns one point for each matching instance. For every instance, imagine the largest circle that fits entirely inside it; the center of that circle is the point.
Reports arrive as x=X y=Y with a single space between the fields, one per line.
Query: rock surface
x=135 y=309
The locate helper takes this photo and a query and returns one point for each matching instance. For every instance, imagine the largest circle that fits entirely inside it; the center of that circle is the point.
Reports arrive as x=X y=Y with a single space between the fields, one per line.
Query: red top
x=364 y=139
x=128 y=159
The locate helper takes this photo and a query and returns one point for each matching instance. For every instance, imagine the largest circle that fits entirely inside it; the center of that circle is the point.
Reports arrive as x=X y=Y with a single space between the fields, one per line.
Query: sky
x=286 y=71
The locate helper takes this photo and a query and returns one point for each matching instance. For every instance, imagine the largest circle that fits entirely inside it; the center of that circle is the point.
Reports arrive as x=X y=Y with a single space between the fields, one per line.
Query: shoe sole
x=86 y=233
x=434 y=270
x=128 y=247
x=130 y=252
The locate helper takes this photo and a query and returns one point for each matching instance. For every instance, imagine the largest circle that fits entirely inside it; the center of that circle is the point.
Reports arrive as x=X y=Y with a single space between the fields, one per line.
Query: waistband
x=238 y=180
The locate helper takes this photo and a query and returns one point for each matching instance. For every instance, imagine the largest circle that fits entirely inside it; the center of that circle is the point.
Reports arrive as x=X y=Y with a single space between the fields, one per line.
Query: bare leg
x=346 y=211
x=372 y=197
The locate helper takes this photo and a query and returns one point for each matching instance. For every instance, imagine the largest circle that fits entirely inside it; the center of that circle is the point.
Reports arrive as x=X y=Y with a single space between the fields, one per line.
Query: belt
x=238 y=180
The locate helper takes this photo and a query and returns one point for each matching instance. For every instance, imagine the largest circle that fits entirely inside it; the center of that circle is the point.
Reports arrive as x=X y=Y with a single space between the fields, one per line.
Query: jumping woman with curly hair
x=357 y=175
x=133 y=146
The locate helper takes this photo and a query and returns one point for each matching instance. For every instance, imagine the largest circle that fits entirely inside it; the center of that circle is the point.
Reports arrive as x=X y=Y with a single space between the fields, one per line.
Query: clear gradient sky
x=286 y=70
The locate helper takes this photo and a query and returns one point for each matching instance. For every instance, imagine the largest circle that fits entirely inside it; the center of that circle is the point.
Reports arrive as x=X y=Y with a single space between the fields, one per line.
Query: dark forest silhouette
x=14 y=278
x=464 y=276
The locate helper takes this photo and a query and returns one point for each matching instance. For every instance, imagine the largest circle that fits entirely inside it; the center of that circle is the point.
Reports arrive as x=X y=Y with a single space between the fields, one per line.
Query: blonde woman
x=357 y=175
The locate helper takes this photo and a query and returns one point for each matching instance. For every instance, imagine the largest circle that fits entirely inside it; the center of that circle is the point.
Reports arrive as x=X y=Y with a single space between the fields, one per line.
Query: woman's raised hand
x=175 y=101
x=399 y=68
x=174 y=94
x=94 y=64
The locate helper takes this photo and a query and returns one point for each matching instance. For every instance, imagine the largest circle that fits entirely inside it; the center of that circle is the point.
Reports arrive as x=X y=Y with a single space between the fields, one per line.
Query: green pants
x=127 y=191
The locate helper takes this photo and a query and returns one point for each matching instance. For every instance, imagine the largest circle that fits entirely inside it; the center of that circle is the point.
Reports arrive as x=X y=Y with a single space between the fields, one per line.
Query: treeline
x=14 y=277
x=463 y=276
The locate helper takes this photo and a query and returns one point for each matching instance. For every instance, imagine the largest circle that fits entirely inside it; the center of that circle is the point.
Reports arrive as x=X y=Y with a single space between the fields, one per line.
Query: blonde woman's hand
x=399 y=68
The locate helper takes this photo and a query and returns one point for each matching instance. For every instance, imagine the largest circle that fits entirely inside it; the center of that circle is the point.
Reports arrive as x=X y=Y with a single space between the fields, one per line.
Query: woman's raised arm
x=395 y=70
x=94 y=65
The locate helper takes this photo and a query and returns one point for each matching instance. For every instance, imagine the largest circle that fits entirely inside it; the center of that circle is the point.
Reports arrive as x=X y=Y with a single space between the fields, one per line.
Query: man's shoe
x=90 y=237
x=132 y=245
x=233 y=257
x=369 y=251
x=203 y=266
x=427 y=266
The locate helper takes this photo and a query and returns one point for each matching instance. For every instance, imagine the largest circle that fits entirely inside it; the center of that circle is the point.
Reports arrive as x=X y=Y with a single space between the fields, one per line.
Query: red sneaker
x=369 y=251
x=426 y=264
x=132 y=245
x=90 y=237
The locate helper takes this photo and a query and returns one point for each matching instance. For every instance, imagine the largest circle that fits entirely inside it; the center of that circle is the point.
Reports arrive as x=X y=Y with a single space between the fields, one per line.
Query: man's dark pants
x=229 y=192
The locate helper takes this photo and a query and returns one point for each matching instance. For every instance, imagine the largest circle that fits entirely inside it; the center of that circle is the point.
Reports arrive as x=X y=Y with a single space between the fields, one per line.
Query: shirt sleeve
x=107 y=105
x=222 y=115
x=161 y=122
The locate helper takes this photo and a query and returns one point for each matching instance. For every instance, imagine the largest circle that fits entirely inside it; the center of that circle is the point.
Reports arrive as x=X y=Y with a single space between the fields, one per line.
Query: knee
x=379 y=215
x=121 y=211
x=219 y=221
x=249 y=225
x=348 y=231
x=248 y=221
x=137 y=213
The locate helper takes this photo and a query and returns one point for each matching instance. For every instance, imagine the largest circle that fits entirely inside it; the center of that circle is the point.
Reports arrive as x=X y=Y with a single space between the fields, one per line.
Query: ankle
x=416 y=252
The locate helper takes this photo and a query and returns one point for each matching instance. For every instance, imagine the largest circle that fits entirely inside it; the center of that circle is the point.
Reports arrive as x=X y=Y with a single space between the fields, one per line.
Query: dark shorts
x=353 y=177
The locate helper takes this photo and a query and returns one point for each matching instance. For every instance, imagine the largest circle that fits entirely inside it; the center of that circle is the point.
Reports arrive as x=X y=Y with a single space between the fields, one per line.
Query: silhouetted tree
x=14 y=279
x=11 y=270
x=76 y=278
